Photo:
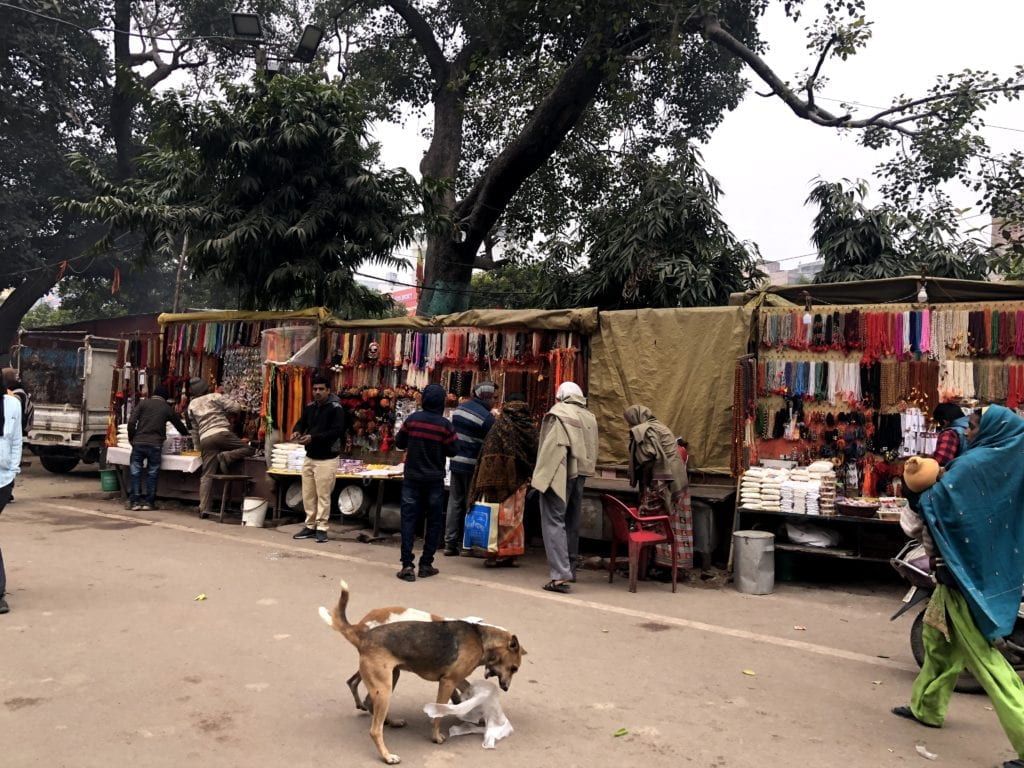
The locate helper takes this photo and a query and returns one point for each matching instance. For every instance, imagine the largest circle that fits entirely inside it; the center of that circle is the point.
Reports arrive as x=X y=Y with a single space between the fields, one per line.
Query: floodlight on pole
x=308 y=43
x=247 y=26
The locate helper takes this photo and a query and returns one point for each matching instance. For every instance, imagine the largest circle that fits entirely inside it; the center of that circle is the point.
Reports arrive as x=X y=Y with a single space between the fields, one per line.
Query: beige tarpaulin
x=679 y=363
x=233 y=316
x=941 y=290
x=579 y=320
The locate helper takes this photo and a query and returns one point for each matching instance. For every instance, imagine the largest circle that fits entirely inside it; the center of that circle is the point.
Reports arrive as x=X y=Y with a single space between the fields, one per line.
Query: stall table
x=381 y=476
x=856 y=529
x=179 y=475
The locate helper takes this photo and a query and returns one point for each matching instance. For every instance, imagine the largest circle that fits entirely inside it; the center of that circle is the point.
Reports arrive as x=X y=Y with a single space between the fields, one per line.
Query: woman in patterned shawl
x=502 y=476
x=660 y=475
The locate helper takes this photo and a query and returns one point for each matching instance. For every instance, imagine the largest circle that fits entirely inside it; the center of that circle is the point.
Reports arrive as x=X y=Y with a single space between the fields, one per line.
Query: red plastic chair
x=646 y=534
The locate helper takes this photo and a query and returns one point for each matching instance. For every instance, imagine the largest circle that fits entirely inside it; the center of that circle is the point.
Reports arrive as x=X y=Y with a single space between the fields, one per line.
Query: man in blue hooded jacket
x=428 y=439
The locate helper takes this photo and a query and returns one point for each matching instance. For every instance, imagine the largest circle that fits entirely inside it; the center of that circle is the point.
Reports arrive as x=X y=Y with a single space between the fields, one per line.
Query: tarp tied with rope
x=940 y=290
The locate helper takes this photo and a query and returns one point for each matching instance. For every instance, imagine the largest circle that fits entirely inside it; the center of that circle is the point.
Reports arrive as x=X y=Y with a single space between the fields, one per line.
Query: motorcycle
x=912 y=564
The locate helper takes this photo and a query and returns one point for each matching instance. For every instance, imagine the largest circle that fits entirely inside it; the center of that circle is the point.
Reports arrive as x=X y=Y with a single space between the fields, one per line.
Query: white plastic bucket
x=754 y=562
x=254 y=511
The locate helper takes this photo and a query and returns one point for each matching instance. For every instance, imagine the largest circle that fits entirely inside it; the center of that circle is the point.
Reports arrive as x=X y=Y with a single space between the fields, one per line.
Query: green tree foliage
x=52 y=85
x=73 y=77
x=661 y=242
x=858 y=242
x=535 y=107
x=277 y=188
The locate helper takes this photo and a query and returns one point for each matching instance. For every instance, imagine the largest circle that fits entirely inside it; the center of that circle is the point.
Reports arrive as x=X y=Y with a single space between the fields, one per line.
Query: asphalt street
x=109 y=659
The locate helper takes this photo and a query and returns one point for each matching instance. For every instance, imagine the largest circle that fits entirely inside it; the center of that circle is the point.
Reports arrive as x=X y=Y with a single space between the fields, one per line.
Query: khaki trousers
x=318 y=478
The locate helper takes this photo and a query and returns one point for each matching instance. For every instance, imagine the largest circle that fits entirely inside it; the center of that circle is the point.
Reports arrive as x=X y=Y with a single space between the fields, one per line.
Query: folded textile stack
x=750 y=488
x=771 y=491
x=811 y=500
x=288 y=456
x=760 y=488
x=122 y=437
x=823 y=473
x=800 y=489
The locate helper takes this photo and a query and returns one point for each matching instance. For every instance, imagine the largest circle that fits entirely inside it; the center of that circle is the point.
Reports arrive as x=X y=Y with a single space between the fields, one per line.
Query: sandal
x=908 y=713
x=501 y=562
x=406 y=574
x=557 y=586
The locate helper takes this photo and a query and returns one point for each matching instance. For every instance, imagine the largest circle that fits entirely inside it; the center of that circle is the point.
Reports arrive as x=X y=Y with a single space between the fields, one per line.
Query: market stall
x=852 y=387
x=234 y=352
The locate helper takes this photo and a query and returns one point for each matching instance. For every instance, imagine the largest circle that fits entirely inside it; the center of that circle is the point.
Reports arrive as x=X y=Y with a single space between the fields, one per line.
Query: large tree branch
x=552 y=120
x=424 y=35
x=817 y=69
x=808 y=110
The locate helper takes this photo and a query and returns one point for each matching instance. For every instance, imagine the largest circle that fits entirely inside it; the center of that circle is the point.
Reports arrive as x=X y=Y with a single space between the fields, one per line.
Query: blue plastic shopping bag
x=481 y=530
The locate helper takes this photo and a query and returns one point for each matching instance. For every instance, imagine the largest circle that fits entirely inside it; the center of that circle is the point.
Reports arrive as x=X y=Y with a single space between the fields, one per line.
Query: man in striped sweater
x=427 y=438
x=472 y=421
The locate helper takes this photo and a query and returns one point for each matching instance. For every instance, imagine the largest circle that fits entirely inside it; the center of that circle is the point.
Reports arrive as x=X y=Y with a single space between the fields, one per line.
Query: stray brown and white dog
x=375 y=618
x=446 y=651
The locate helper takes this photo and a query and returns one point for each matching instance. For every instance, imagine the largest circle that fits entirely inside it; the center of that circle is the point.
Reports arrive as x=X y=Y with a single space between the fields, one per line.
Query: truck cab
x=70 y=375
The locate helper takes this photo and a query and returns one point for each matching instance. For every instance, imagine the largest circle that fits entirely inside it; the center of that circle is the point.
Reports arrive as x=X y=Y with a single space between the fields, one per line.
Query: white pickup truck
x=70 y=377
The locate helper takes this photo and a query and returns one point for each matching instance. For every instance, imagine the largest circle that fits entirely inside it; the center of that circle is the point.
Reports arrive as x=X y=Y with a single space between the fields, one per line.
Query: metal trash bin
x=754 y=562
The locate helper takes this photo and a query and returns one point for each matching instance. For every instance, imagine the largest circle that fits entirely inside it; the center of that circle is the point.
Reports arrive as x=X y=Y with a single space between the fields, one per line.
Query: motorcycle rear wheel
x=965 y=683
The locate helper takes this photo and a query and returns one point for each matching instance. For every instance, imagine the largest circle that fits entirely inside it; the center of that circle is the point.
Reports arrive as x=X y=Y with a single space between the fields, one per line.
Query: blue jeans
x=150 y=456
x=430 y=498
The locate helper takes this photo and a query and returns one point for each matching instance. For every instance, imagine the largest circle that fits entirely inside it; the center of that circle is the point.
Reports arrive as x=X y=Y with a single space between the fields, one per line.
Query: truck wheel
x=59 y=465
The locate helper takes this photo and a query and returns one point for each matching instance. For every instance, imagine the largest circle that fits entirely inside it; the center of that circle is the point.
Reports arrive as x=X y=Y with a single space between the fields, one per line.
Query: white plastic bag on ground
x=480 y=703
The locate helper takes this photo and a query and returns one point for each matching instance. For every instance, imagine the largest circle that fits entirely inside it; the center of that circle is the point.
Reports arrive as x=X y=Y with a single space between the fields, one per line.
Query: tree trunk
x=35 y=285
x=122 y=101
x=443 y=263
x=448 y=268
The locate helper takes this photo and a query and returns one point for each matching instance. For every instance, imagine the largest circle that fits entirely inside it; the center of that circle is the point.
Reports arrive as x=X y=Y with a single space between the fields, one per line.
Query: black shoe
x=1018 y=763
x=4 y=607
x=451 y=551
x=908 y=713
x=321 y=537
x=305 y=533
x=407 y=574
x=426 y=571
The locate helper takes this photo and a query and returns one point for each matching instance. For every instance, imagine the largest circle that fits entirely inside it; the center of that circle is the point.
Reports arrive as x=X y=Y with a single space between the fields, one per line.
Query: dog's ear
x=513 y=645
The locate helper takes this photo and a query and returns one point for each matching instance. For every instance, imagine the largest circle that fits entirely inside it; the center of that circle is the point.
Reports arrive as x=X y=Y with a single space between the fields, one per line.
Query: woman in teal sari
x=975 y=515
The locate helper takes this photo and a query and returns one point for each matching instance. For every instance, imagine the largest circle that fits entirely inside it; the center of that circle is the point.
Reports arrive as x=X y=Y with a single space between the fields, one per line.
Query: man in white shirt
x=10 y=466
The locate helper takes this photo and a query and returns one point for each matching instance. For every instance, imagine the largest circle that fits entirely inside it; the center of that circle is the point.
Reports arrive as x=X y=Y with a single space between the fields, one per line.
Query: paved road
x=107 y=660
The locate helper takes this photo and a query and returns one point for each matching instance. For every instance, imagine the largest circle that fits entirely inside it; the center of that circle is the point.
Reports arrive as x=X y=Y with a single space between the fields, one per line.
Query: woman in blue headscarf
x=974 y=515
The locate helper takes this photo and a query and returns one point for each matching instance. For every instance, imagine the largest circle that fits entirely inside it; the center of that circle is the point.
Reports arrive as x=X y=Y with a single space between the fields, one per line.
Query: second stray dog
x=445 y=651
x=375 y=618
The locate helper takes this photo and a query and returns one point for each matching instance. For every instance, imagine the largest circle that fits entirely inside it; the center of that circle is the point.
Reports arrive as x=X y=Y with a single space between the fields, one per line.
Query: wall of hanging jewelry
x=857 y=379
x=533 y=363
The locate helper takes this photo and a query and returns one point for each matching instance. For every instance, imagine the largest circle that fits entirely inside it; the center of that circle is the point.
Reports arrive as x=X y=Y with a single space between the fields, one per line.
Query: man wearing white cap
x=472 y=421
x=566 y=457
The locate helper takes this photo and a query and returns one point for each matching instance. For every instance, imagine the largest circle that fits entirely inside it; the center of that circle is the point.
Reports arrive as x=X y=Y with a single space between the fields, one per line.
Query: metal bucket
x=754 y=562
x=254 y=511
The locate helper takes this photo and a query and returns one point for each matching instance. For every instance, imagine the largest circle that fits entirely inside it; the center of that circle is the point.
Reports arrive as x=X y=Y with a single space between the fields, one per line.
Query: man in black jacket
x=427 y=438
x=147 y=430
x=321 y=429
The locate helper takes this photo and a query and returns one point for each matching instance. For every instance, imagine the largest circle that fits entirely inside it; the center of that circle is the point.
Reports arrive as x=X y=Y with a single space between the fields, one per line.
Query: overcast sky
x=765 y=157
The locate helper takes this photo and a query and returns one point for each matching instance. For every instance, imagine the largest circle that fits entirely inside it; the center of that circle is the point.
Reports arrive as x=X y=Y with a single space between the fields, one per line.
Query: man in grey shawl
x=566 y=457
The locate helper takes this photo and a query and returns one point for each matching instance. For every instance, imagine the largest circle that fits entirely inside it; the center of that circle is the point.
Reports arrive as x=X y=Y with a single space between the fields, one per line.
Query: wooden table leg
x=377 y=508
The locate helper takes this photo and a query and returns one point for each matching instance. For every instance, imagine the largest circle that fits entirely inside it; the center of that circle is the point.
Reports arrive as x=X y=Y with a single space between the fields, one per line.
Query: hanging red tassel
x=115 y=285
x=62 y=270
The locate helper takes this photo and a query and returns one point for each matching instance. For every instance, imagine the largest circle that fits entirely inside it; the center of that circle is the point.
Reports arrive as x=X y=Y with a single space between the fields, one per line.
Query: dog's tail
x=336 y=618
